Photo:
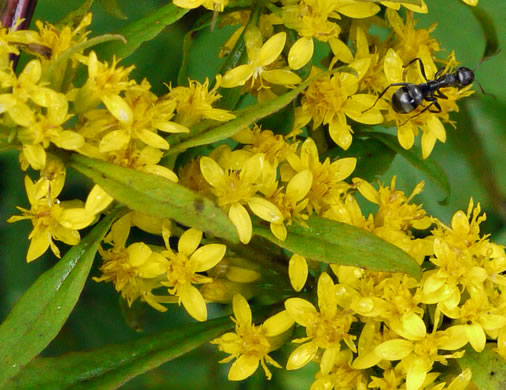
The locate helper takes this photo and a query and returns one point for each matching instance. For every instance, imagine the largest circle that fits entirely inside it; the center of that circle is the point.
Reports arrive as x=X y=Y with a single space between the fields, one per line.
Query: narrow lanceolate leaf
x=338 y=243
x=488 y=367
x=201 y=23
x=110 y=366
x=471 y=146
x=113 y=9
x=429 y=167
x=242 y=120
x=43 y=309
x=489 y=31
x=142 y=30
x=157 y=196
x=74 y=17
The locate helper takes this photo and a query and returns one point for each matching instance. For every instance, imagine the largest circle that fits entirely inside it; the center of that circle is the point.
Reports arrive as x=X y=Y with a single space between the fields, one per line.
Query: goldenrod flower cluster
x=364 y=329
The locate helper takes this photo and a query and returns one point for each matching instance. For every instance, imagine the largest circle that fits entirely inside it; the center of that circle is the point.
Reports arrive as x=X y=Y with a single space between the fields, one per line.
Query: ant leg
x=422 y=68
x=433 y=103
x=438 y=107
x=438 y=73
x=384 y=91
x=439 y=94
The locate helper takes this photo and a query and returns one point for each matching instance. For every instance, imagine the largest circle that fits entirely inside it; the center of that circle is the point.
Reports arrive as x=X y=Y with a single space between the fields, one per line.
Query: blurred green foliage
x=98 y=317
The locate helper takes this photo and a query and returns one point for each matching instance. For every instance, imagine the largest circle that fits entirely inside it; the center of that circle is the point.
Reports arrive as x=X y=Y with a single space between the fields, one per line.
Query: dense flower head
x=272 y=180
x=249 y=344
x=51 y=218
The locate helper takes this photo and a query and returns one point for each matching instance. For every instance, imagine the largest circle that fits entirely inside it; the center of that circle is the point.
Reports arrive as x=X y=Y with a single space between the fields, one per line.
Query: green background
x=97 y=318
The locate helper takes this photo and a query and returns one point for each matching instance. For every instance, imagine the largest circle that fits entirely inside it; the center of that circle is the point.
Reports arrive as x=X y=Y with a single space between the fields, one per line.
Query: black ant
x=409 y=96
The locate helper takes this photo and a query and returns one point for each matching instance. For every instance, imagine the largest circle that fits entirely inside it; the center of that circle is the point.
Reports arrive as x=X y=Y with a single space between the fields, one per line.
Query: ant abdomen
x=406 y=99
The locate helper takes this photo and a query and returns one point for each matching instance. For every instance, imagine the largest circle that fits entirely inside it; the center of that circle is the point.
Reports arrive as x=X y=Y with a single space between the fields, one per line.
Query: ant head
x=465 y=76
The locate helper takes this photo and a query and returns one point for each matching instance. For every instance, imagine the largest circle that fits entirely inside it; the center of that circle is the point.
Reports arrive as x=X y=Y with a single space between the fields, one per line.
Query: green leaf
x=142 y=30
x=112 y=8
x=230 y=97
x=429 y=167
x=111 y=366
x=243 y=120
x=488 y=367
x=471 y=146
x=157 y=196
x=373 y=157
x=489 y=31
x=43 y=309
x=75 y=17
x=203 y=22
x=334 y=242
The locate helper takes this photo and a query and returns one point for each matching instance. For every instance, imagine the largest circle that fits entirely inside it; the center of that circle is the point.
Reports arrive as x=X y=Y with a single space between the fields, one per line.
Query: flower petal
x=243 y=367
x=271 y=49
x=300 y=310
x=301 y=356
x=395 y=349
x=297 y=271
x=242 y=311
x=265 y=209
x=208 y=256
x=189 y=241
x=118 y=107
x=212 y=172
x=278 y=323
x=193 y=302
x=300 y=53
x=242 y=222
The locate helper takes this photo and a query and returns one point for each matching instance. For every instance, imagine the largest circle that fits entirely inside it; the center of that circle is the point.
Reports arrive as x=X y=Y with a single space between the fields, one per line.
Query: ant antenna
x=483 y=59
x=486 y=58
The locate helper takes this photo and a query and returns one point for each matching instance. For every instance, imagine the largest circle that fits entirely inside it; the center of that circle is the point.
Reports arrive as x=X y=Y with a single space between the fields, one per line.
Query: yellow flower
x=422 y=8
x=259 y=57
x=51 y=219
x=328 y=178
x=292 y=203
x=324 y=329
x=409 y=42
x=249 y=344
x=28 y=89
x=11 y=39
x=60 y=39
x=195 y=102
x=213 y=5
x=236 y=188
x=396 y=217
x=105 y=83
x=257 y=140
x=453 y=274
x=374 y=77
x=183 y=269
x=336 y=373
x=329 y=100
x=135 y=270
x=478 y=318
x=47 y=129
x=148 y=114
x=315 y=18
x=417 y=350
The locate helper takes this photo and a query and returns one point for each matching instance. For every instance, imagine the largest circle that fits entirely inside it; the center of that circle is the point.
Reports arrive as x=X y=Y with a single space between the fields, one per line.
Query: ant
x=409 y=96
